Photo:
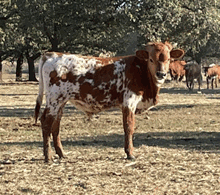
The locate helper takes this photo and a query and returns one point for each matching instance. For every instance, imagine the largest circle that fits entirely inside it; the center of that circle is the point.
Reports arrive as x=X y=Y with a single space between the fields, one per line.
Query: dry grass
x=177 y=149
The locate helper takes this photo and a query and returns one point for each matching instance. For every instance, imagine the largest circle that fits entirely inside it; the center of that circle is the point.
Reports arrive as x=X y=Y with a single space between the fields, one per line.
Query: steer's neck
x=150 y=87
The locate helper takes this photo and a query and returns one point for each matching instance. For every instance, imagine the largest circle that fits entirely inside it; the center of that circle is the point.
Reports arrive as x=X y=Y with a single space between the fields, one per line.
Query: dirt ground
x=177 y=150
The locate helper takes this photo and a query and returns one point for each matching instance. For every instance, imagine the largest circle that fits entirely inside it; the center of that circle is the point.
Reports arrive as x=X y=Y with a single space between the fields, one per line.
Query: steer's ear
x=142 y=54
x=176 y=53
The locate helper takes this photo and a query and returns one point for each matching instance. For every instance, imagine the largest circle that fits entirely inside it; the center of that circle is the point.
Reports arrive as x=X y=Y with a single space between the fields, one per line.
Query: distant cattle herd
x=193 y=71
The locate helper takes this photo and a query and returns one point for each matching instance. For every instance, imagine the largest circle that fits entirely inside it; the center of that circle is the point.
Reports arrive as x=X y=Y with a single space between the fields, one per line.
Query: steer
x=193 y=71
x=177 y=71
x=212 y=72
x=94 y=84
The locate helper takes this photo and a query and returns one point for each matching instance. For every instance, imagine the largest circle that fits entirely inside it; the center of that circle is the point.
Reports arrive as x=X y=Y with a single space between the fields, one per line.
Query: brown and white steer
x=94 y=84
x=212 y=72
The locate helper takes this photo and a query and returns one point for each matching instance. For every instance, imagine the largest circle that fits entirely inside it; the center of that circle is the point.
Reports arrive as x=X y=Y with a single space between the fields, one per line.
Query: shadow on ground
x=201 y=141
x=16 y=111
x=175 y=90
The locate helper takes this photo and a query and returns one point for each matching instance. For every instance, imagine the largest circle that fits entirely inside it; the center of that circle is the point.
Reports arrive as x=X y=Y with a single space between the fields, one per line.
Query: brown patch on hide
x=85 y=88
x=63 y=77
x=105 y=61
x=68 y=77
x=104 y=74
x=113 y=92
x=54 y=79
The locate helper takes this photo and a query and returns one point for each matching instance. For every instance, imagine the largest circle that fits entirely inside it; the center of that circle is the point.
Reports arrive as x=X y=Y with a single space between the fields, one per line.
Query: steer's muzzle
x=161 y=75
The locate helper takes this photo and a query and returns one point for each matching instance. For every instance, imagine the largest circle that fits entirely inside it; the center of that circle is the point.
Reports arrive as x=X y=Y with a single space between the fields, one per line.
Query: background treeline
x=29 y=27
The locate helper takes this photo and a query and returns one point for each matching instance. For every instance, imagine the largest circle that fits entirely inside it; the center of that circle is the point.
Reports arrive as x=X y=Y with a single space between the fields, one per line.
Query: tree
x=34 y=26
x=19 y=67
x=194 y=25
x=20 y=37
x=67 y=26
x=81 y=27
x=6 y=13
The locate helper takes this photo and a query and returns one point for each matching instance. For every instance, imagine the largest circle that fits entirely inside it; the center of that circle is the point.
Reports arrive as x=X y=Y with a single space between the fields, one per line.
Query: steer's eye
x=161 y=57
x=151 y=60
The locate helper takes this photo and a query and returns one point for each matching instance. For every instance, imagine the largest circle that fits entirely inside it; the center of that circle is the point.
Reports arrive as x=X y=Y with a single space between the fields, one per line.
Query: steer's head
x=160 y=55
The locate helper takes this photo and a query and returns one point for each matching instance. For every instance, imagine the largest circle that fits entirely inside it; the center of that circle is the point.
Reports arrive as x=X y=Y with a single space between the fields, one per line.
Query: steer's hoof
x=60 y=157
x=47 y=160
x=63 y=157
x=60 y=154
x=130 y=157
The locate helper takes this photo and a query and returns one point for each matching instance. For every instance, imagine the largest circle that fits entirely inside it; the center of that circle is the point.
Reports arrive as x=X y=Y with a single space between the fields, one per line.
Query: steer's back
x=67 y=63
x=214 y=71
x=92 y=84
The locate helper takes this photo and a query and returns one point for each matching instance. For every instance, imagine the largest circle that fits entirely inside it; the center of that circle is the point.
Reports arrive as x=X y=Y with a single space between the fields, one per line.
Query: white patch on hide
x=131 y=100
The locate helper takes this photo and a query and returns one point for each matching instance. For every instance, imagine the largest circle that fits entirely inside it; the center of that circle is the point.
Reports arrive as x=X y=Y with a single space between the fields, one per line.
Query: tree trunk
x=55 y=44
x=0 y=69
x=31 y=68
x=19 y=68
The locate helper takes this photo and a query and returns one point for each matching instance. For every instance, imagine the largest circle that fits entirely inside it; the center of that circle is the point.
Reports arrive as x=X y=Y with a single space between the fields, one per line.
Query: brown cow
x=95 y=84
x=176 y=69
x=212 y=72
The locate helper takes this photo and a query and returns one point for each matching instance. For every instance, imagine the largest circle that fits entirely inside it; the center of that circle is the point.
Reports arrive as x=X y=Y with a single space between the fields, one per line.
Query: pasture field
x=177 y=150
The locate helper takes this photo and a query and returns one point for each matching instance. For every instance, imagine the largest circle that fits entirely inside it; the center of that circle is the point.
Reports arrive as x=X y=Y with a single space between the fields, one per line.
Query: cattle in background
x=212 y=72
x=95 y=84
x=177 y=71
x=193 y=71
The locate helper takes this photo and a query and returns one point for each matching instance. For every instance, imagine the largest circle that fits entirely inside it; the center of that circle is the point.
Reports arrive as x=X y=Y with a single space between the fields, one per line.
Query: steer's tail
x=41 y=91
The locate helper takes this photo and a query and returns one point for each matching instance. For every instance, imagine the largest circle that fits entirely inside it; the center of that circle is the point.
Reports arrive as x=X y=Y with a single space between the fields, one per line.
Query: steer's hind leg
x=46 y=123
x=187 y=83
x=181 y=78
x=216 y=82
x=192 y=84
x=207 y=81
x=55 y=132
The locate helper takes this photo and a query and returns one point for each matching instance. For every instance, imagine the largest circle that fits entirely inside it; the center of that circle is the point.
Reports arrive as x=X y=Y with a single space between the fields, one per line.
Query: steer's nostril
x=161 y=74
x=158 y=74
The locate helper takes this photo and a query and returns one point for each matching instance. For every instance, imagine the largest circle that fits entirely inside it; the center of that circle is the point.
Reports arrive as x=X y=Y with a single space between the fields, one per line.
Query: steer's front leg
x=128 y=123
